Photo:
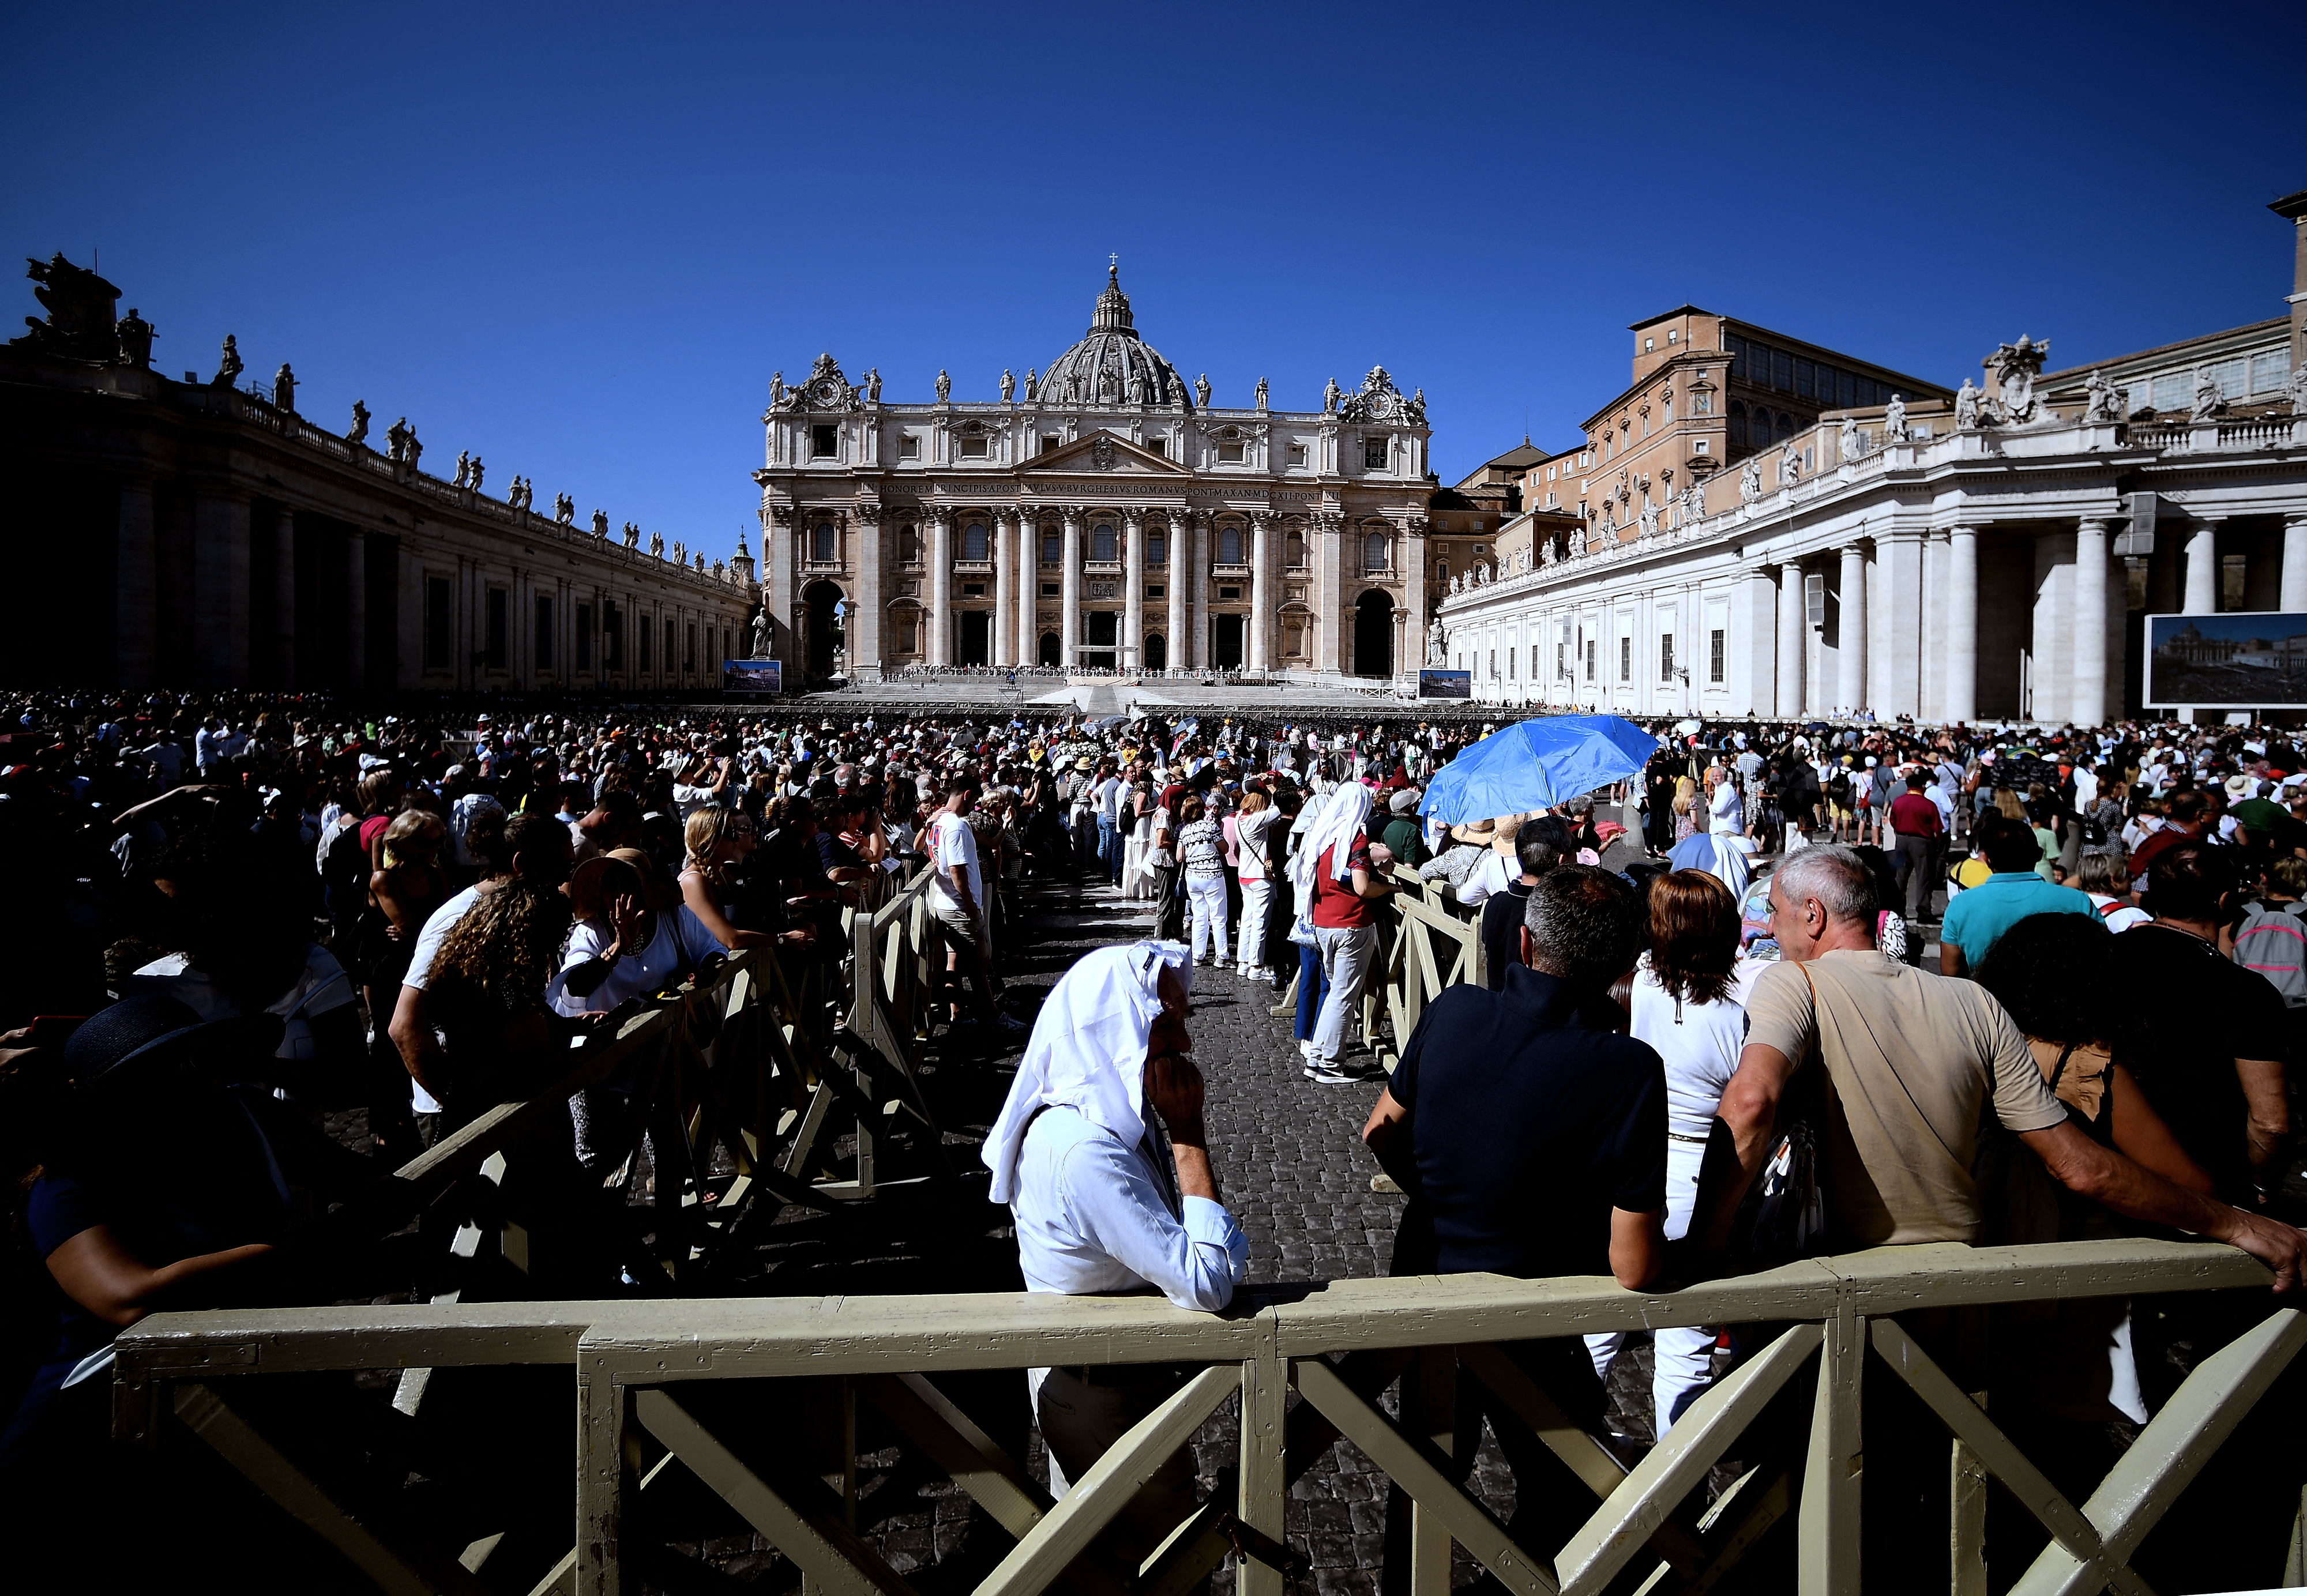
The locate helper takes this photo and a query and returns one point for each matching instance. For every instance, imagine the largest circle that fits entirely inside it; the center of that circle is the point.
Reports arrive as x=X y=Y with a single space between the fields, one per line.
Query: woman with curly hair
x=487 y=992
x=402 y=895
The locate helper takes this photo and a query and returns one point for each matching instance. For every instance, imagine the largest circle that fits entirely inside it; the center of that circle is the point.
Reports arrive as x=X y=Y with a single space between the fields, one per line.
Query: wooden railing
x=652 y=1389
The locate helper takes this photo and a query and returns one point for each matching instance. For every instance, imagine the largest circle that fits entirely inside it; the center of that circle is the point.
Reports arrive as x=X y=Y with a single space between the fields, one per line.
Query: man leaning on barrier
x=1100 y=1205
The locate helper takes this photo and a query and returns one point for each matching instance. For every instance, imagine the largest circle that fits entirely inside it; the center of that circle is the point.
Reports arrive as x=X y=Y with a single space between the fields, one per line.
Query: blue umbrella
x=1535 y=764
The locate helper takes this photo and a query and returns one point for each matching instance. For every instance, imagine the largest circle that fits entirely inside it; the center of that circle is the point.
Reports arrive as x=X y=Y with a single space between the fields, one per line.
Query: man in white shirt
x=957 y=897
x=1100 y=1205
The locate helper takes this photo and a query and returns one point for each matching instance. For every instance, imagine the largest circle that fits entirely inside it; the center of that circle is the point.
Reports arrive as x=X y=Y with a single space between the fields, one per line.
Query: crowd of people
x=234 y=916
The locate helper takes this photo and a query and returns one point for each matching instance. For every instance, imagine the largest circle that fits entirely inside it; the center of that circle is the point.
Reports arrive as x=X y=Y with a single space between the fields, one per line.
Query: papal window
x=973 y=544
x=822 y=541
x=1228 y=545
x=1102 y=542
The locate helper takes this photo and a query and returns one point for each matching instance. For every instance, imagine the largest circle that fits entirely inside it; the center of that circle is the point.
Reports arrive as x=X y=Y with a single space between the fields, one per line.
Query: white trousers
x=1347 y=951
x=1684 y=1354
x=1257 y=902
x=1207 y=896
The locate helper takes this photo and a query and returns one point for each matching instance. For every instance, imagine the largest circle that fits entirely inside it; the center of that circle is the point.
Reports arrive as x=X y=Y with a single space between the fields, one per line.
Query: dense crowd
x=233 y=918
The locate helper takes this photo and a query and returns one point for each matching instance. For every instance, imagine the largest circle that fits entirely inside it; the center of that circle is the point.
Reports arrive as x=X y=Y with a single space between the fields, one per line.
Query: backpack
x=1839 y=789
x=345 y=863
x=2274 y=942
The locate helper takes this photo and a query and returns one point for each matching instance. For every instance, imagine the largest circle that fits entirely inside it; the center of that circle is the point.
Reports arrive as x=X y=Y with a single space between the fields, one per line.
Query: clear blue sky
x=577 y=239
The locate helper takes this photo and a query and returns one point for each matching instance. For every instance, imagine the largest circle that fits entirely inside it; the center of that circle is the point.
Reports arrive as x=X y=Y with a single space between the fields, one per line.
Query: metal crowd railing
x=650 y=1379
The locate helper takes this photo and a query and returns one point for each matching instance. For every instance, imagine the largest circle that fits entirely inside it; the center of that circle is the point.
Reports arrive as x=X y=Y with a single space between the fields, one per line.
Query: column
x=1413 y=599
x=220 y=588
x=1962 y=624
x=1029 y=588
x=2202 y=592
x=1754 y=637
x=356 y=612
x=1133 y=578
x=136 y=589
x=1005 y=588
x=1850 y=686
x=1900 y=571
x=1331 y=621
x=941 y=649
x=868 y=602
x=1069 y=589
x=2087 y=686
x=779 y=560
x=1794 y=621
x=1178 y=551
x=2294 y=560
x=283 y=595
x=1261 y=590
x=1198 y=576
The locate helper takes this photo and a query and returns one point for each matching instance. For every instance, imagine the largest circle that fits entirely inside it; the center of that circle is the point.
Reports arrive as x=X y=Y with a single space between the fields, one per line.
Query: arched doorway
x=821 y=628
x=1157 y=652
x=1373 y=634
x=1046 y=653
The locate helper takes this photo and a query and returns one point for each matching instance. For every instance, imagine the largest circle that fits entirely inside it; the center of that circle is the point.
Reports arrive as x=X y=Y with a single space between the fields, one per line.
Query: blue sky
x=576 y=239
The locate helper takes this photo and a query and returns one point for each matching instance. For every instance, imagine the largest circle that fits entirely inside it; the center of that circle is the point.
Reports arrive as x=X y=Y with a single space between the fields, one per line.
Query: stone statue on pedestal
x=228 y=366
x=1894 y=420
x=284 y=389
x=680 y=554
x=1008 y=386
x=1137 y=387
x=564 y=510
x=1693 y=503
x=1848 y=441
x=1646 y=521
x=1965 y=405
x=476 y=474
x=1437 y=646
x=1750 y=480
x=464 y=469
x=944 y=387
x=601 y=523
x=873 y=386
x=761 y=633
x=2298 y=390
x=776 y=388
x=656 y=544
x=135 y=335
x=2104 y=402
x=414 y=451
x=2210 y=400
x=1032 y=387
x=1202 y=390
x=1790 y=466
x=1331 y=395
x=632 y=534
x=357 y=434
x=1261 y=393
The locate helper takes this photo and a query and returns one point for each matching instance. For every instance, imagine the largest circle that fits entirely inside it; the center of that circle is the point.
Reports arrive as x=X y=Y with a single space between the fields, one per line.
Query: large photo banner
x=2246 y=660
x=1445 y=684
x=752 y=676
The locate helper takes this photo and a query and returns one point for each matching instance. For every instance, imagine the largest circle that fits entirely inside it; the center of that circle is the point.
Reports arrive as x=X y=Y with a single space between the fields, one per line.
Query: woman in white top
x=1683 y=1006
x=1137 y=841
x=1250 y=826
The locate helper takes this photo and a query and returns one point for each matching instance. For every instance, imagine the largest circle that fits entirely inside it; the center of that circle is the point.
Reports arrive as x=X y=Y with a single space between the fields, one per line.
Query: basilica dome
x=1112 y=364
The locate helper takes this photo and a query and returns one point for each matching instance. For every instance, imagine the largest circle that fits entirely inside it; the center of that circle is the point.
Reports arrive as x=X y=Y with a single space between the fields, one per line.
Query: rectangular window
x=1051 y=590
x=973 y=589
x=689 y=654
x=584 y=636
x=641 y=642
x=1846 y=388
x=613 y=637
x=497 y=615
x=2270 y=370
x=1156 y=591
x=2233 y=376
x=1814 y=600
x=1590 y=659
x=1298 y=450
x=1533 y=661
x=544 y=634
x=1867 y=394
x=2172 y=391
x=1782 y=370
x=1666 y=656
x=1561 y=663
x=1716 y=654
x=1625 y=658
x=440 y=623
x=1803 y=379
x=972 y=448
x=1052 y=547
x=1229 y=592
x=1228 y=454
x=1374 y=453
x=909 y=448
x=1159 y=445
x=824 y=442
x=1049 y=441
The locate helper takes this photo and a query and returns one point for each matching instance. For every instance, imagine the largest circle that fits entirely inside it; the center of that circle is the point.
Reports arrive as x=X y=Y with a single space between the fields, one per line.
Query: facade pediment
x=1103 y=450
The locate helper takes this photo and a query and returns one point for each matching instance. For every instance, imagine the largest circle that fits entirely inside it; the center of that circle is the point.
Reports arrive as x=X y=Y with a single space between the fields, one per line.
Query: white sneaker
x=1305 y=1047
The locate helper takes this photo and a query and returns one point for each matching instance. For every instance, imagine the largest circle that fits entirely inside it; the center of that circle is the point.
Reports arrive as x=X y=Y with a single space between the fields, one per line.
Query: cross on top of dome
x=1113 y=312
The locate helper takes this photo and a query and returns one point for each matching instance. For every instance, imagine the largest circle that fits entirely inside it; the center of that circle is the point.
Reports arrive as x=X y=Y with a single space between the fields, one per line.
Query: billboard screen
x=1445 y=684
x=2244 y=659
x=752 y=676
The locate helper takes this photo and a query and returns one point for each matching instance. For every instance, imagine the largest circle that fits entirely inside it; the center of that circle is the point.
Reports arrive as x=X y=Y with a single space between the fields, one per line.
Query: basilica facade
x=1101 y=514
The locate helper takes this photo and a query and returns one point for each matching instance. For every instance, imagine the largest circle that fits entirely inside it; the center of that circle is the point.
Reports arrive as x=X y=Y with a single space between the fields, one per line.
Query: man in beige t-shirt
x=1912 y=1062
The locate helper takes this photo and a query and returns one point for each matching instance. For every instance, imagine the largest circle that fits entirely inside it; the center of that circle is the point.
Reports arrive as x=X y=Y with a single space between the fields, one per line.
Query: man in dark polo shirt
x=1530 y=1137
x=1540 y=843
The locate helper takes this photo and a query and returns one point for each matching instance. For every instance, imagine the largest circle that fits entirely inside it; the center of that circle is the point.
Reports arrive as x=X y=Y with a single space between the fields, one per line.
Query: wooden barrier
x=645 y=1399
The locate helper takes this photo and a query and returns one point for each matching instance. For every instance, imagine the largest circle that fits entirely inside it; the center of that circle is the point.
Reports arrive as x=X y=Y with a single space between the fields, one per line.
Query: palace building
x=1758 y=526
x=1101 y=514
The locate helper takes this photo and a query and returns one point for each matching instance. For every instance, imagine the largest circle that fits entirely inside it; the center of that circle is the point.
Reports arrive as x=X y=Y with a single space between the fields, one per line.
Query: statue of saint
x=228 y=367
x=1202 y=390
x=476 y=474
x=1647 y=520
x=413 y=450
x=564 y=510
x=284 y=389
x=1437 y=647
x=776 y=388
x=656 y=544
x=1330 y=397
x=2105 y=400
x=358 y=433
x=1693 y=503
x=761 y=633
x=1073 y=388
x=1261 y=393
x=1032 y=387
x=632 y=534
x=680 y=556
x=1137 y=387
x=2298 y=390
x=873 y=386
x=135 y=335
x=1750 y=480
x=1008 y=386
x=944 y=386
x=1790 y=466
x=2208 y=398
x=1894 y=420
x=1847 y=439
x=464 y=469
x=601 y=523
x=1965 y=405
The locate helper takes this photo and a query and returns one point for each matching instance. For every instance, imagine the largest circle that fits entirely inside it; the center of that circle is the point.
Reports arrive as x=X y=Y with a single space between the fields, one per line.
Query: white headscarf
x=1088 y=1051
x=1344 y=816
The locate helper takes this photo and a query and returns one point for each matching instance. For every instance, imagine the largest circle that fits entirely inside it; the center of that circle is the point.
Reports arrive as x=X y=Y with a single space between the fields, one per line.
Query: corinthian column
x=868 y=603
x=1850 y=686
x=1029 y=588
x=1005 y=588
x=1962 y=624
x=2087 y=692
x=1133 y=576
x=1794 y=623
x=941 y=649
x=1069 y=583
x=1261 y=588
x=1179 y=555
